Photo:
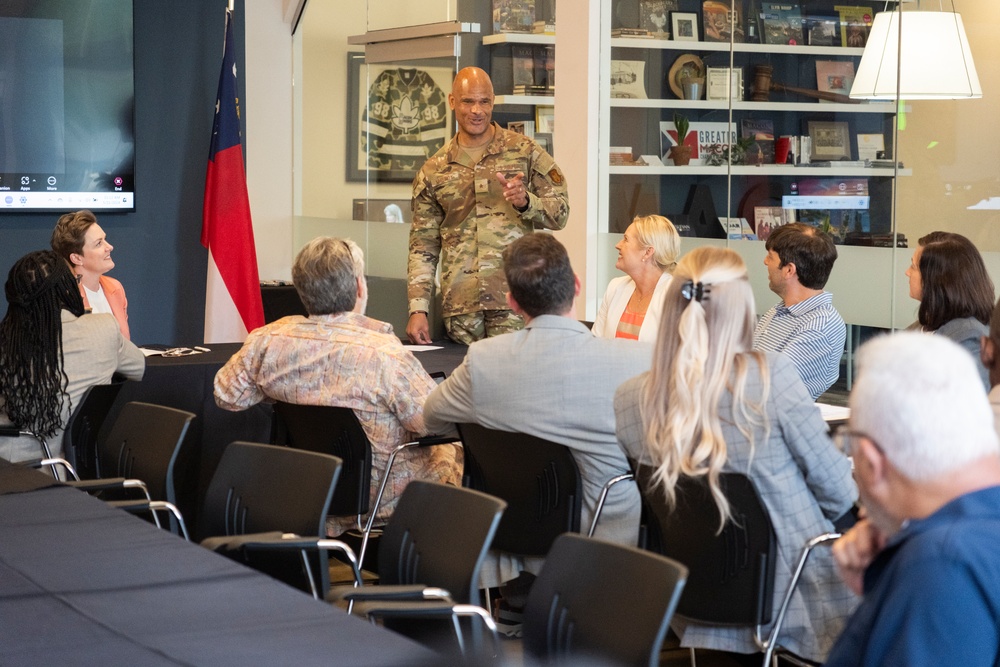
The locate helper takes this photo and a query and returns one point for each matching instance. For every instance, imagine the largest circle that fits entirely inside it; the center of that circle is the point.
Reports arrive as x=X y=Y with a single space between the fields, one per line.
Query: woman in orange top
x=79 y=240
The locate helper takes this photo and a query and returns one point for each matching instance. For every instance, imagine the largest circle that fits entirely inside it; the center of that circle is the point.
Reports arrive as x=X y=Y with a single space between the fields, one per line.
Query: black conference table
x=82 y=583
x=186 y=383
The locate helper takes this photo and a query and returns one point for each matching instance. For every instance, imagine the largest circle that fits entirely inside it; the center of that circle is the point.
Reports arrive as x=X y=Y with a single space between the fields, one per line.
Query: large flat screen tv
x=67 y=94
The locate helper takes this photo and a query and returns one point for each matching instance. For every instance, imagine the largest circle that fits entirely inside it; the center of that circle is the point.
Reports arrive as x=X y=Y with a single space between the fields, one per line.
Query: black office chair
x=433 y=548
x=731 y=574
x=84 y=427
x=584 y=603
x=139 y=453
x=260 y=499
x=538 y=479
x=337 y=431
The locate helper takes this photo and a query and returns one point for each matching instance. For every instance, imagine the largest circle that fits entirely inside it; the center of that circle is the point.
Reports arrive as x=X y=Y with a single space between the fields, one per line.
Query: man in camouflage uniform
x=484 y=189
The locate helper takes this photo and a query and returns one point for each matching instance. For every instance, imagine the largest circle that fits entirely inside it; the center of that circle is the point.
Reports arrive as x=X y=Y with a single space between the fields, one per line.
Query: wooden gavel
x=763 y=84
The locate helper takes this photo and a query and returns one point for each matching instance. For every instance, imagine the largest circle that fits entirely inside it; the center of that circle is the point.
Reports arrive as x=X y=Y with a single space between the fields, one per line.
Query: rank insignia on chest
x=482 y=185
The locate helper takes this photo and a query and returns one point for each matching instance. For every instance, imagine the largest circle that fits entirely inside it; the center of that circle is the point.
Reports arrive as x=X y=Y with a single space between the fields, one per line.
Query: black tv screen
x=67 y=94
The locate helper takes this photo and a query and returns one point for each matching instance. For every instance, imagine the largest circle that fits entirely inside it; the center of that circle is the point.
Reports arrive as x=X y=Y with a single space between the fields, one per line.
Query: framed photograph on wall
x=545 y=117
x=397 y=117
x=684 y=26
x=830 y=140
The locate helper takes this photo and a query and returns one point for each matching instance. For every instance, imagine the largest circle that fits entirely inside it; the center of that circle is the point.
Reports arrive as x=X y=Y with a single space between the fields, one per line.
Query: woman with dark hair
x=710 y=404
x=949 y=279
x=51 y=353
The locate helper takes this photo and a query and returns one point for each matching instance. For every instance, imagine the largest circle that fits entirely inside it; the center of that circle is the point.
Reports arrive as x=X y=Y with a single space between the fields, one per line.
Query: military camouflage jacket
x=461 y=218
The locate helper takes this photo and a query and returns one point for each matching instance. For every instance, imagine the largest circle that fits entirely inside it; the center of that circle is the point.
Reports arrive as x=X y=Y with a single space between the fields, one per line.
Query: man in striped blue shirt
x=804 y=325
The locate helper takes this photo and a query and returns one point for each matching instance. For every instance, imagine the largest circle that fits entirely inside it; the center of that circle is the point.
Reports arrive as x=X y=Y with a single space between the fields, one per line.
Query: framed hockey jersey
x=397 y=116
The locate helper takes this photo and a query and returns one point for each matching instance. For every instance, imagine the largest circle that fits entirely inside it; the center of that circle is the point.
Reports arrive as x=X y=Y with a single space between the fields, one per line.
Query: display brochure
x=822 y=30
x=768 y=218
x=700 y=137
x=837 y=205
x=761 y=130
x=855 y=23
x=628 y=79
x=782 y=23
x=654 y=16
x=870 y=145
x=513 y=15
x=834 y=76
x=722 y=20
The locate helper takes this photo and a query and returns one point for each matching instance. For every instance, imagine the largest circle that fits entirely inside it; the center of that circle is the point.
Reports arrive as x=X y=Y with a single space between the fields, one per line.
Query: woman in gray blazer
x=712 y=404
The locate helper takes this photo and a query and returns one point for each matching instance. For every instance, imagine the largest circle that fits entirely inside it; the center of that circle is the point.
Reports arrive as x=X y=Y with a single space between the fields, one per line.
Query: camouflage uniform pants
x=470 y=327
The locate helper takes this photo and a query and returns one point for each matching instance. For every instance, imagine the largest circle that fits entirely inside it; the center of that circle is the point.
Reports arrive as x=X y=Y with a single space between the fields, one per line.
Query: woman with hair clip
x=51 y=353
x=632 y=303
x=711 y=404
x=949 y=278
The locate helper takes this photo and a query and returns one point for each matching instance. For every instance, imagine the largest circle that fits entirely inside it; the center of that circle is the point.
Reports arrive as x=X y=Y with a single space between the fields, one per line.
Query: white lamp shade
x=936 y=60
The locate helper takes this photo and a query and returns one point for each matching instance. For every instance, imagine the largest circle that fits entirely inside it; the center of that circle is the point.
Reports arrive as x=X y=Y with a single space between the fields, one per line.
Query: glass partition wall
x=879 y=175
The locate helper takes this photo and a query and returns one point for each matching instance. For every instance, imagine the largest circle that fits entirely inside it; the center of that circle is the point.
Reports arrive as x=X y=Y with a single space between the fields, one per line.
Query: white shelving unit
x=762 y=170
x=530 y=100
x=518 y=38
x=684 y=45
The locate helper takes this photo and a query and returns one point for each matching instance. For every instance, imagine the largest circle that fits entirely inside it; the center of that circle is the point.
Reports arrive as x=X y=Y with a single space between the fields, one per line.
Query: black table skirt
x=82 y=583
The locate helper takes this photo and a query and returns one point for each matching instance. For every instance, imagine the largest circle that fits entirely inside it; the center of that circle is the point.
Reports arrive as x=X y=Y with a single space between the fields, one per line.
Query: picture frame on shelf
x=373 y=144
x=684 y=26
x=870 y=145
x=545 y=117
x=830 y=140
x=718 y=78
x=855 y=24
x=628 y=79
x=525 y=127
x=544 y=139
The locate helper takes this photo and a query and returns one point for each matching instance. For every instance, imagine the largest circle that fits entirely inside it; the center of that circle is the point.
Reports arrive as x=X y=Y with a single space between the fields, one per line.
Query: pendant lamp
x=917 y=55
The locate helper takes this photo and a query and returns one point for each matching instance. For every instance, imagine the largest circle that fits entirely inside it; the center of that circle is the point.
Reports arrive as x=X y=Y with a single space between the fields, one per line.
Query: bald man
x=484 y=189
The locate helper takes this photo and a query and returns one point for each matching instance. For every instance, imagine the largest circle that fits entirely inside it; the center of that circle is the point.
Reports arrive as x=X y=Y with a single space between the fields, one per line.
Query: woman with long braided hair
x=51 y=353
x=711 y=404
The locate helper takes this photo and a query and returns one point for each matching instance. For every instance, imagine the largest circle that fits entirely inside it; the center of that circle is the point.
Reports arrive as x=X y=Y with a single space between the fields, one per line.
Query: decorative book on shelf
x=855 y=24
x=544 y=28
x=513 y=15
x=782 y=23
x=722 y=20
x=761 y=130
x=654 y=15
x=632 y=32
x=822 y=29
x=522 y=58
x=834 y=76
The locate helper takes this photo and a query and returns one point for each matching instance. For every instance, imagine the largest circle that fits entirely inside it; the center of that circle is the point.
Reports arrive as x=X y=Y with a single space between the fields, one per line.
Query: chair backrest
x=439 y=535
x=538 y=479
x=143 y=444
x=731 y=578
x=263 y=488
x=335 y=431
x=585 y=603
x=84 y=427
x=259 y=488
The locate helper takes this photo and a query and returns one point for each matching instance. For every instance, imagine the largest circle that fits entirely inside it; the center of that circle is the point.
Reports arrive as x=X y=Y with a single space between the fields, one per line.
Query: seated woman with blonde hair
x=633 y=302
x=711 y=404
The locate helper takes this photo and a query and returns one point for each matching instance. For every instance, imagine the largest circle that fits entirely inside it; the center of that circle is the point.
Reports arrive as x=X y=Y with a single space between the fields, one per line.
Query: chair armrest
x=276 y=541
x=108 y=483
x=399 y=593
x=53 y=462
x=431 y=440
x=430 y=609
x=153 y=506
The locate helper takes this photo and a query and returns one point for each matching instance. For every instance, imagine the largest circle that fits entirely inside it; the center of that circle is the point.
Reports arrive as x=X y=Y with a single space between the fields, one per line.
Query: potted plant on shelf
x=681 y=153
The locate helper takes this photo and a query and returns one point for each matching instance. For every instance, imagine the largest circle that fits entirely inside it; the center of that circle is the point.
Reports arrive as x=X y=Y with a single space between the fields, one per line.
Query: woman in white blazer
x=632 y=303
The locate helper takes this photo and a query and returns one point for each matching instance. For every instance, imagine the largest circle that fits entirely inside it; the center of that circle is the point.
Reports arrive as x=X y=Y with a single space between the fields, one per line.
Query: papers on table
x=423 y=348
x=834 y=413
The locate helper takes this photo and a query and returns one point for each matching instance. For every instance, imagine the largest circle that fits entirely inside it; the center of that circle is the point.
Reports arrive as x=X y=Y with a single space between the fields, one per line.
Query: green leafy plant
x=682 y=125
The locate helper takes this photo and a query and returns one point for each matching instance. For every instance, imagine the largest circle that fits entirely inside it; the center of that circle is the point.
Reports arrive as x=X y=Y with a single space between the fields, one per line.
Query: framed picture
x=545 y=119
x=684 y=26
x=628 y=79
x=397 y=117
x=830 y=140
x=382 y=210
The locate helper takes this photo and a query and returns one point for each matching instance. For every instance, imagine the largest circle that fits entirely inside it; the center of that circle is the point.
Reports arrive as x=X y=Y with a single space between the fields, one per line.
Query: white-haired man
x=337 y=356
x=927 y=463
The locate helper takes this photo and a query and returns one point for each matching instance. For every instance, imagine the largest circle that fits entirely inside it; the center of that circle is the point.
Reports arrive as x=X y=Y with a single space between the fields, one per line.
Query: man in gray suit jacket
x=553 y=380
